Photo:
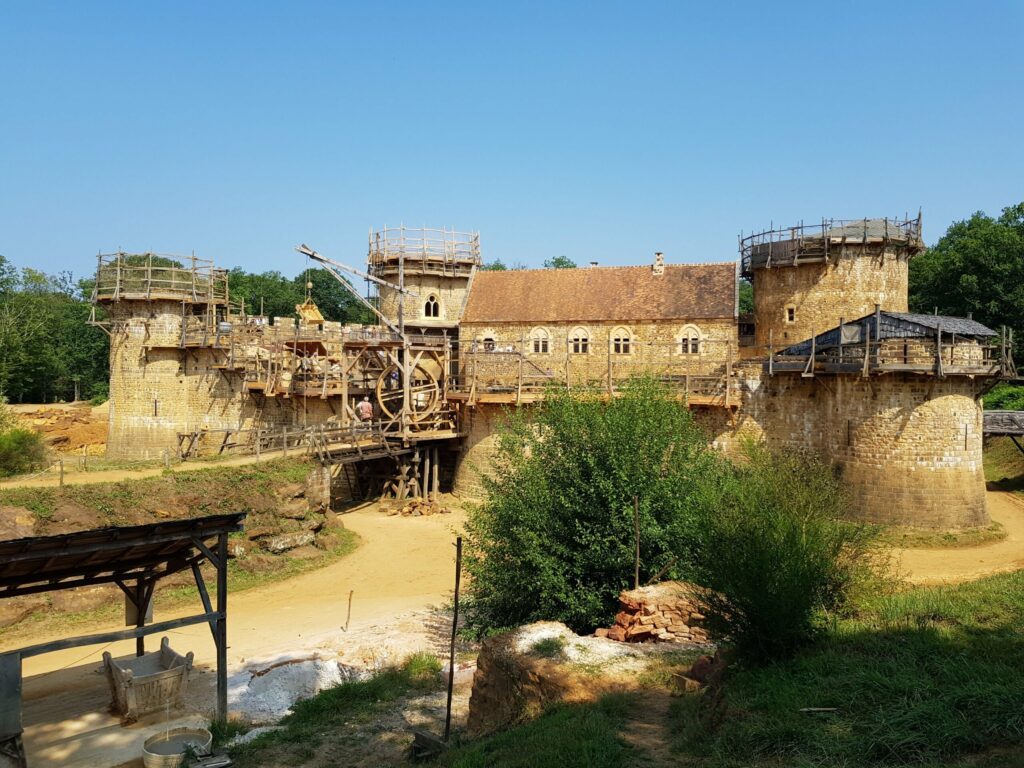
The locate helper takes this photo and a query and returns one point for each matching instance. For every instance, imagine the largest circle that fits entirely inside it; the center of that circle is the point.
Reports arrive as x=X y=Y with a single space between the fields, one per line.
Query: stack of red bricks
x=669 y=612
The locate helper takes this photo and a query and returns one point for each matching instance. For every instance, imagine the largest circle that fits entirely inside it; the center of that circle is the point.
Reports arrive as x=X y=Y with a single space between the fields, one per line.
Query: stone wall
x=449 y=291
x=478 y=449
x=909 y=448
x=158 y=390
x=819 y=294
x=654 y=348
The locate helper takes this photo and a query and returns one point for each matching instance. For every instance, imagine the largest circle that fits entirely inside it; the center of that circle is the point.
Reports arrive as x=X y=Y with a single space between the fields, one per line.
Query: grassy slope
x=930 y=677
x=1004 y=464
x=212 y=491
x=919 y=678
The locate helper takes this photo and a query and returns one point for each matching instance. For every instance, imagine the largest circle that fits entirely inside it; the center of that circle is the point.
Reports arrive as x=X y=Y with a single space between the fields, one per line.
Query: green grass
x=567 y=736
x=1004 y=464
x=923 y=677
x=326 y=714
x=916 y=538
x=548 y=647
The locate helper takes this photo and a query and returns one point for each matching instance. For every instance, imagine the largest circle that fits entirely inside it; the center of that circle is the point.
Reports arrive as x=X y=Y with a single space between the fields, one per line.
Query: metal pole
x=222 y=628
x=455 y=626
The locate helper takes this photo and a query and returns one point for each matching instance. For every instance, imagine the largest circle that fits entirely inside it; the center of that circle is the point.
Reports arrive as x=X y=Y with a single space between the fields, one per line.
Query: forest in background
x=49 y=352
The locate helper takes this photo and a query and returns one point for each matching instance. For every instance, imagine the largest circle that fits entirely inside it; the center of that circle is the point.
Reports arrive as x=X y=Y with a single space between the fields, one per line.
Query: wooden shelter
x=135 y=559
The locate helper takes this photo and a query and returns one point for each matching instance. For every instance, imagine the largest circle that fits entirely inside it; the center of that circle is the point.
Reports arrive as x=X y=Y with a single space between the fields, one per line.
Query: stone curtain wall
x=909 y=448
x=158 y=390
x=654 y=349
x=478 y=449
x=822 y=293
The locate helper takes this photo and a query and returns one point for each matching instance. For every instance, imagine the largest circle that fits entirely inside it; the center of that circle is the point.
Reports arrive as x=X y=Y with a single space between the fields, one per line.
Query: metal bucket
x=167 y=748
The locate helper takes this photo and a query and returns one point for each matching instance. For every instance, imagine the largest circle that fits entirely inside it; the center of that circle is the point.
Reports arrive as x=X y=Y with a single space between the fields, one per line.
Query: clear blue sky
x=595 y=130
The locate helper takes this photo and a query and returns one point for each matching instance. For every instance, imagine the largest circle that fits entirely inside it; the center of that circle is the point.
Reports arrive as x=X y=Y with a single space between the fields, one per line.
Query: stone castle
x=830 y=361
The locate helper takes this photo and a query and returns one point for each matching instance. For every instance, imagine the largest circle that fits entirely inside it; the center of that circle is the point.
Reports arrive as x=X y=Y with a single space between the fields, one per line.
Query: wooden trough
x=148 y=683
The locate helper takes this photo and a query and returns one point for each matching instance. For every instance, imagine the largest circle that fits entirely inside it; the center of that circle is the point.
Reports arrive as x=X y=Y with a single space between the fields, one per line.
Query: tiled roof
x=683 y=291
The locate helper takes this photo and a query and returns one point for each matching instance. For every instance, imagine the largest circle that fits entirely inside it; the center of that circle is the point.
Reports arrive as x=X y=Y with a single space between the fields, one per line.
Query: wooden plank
x=112 y=637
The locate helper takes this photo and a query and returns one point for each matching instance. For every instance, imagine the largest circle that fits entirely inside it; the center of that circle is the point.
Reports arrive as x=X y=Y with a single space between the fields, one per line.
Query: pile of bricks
x=669 y=612
x=420 y=508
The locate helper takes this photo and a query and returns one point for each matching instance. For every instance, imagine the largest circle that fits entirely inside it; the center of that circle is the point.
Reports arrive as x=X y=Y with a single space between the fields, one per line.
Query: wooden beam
x=113 y=637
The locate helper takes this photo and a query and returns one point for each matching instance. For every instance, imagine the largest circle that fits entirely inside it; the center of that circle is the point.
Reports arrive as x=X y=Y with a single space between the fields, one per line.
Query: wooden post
x=519 y=386
x=140 y=615
x=455 y=629
x=636 y=527
x=222 y=628
x=437 y=473
x=426 y=473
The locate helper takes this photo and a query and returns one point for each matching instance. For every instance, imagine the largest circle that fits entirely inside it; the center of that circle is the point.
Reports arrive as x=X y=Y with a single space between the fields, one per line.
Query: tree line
x=48 y=351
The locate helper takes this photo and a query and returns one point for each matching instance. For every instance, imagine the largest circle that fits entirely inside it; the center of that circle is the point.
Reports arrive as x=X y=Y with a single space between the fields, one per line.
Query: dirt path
x=647 y=729
x=400 y=579
x=404 y=567
x=936 y=566
x=51 y=479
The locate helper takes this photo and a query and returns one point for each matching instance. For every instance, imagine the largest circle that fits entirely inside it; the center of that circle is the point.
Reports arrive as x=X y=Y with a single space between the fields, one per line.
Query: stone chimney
x=658 y=269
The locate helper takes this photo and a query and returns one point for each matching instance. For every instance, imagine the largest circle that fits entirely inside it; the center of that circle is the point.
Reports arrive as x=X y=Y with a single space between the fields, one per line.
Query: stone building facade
x=893 y=400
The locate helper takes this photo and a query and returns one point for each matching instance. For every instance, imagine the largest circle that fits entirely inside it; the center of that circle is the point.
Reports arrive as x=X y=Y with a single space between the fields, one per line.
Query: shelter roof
x=893 y=325
x=682 y=292
x=107 y=555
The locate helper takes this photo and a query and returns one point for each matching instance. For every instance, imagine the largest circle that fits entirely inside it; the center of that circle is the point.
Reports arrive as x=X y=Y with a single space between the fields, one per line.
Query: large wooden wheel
x=424 y=393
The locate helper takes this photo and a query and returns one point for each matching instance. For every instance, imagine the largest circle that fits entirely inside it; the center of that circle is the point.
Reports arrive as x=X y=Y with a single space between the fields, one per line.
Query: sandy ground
x=936 y=566
x=400 y=579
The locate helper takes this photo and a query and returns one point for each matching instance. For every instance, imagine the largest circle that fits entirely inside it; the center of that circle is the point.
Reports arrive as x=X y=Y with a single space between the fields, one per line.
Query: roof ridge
x=613 y=266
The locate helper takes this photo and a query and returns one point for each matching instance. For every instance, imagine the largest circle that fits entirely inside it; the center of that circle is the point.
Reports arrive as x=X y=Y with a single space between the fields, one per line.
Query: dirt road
x=404 y=567
x=936 y=566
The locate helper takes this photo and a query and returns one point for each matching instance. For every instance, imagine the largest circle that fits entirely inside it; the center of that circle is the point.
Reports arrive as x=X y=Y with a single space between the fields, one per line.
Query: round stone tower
x=807 y=277
x=435 y=265
x=160 y=315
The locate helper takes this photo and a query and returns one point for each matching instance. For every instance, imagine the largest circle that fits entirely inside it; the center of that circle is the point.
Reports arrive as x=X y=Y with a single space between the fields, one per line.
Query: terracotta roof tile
x=684 y=291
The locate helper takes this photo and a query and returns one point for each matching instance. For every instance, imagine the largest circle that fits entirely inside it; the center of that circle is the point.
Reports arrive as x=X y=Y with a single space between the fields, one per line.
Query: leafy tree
x=47 y=349
x=559 y=262
x=746 y=296
x=270 y=292
x=494 y=266
x=555 y=539
x=976 y=268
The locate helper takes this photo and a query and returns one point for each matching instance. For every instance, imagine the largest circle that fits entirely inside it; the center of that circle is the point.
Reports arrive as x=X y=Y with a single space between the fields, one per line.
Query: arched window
x=540 y=341
x=621 y=341
x=579 y=341
x=431 y=307
x=689 y=340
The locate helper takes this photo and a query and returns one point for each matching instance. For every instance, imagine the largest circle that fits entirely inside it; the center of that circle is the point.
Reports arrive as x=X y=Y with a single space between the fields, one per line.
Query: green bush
x=775 y=553
x=1005 y=397
x=556 y=537
x=21 y=450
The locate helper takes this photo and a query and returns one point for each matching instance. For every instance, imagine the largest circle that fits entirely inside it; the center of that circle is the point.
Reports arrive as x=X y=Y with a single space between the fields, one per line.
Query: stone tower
x=436 y=265
x=807 y=277
x=158 y=309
